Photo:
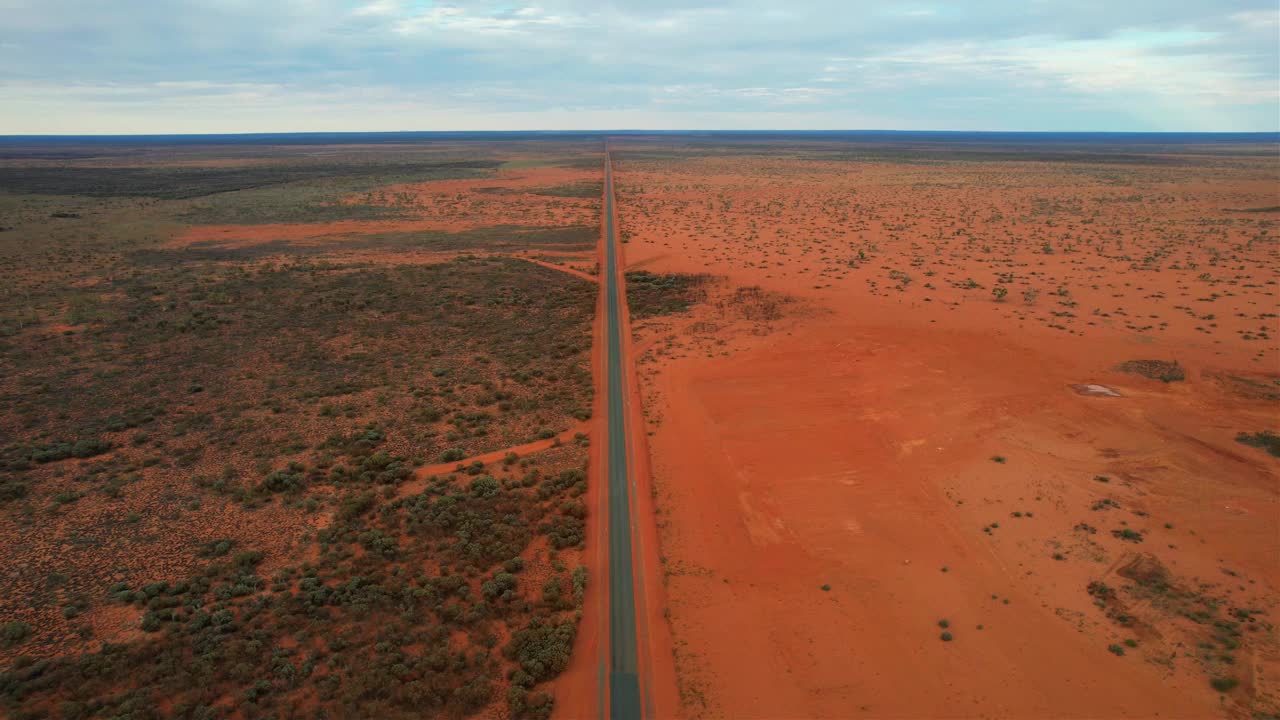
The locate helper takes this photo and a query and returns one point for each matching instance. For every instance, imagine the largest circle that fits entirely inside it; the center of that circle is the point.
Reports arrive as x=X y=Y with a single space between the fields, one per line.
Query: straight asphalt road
x=624 y=680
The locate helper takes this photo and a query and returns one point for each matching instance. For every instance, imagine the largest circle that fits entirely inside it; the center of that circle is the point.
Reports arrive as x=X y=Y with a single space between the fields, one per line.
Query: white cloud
x=1052 y=64
x=453 y=19
x=1168 y=65
x=1259 y=19
x=378 y=8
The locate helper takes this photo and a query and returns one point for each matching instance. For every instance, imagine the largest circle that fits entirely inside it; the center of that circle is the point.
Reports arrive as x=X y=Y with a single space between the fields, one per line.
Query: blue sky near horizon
x=190 y=66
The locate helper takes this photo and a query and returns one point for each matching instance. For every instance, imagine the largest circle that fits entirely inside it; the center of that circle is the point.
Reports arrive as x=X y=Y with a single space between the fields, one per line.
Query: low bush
x=1264 y=440
x=1162 y=370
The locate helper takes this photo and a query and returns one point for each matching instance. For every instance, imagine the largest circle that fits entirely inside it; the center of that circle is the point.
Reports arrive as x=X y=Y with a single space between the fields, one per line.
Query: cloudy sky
x=149 y=66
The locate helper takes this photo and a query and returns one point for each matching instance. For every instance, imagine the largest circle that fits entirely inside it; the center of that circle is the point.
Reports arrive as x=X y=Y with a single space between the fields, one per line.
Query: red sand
x=851 y=446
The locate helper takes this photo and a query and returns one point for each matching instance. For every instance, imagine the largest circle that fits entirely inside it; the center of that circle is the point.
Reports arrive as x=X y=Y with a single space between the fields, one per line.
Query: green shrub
x=553 y=591
x=1264 y=440
x=565 y=531
x=248 y=559
x=216 y=548
x=1128 y=535
x=11 y=489
x=485 y=486
x=84 y=448
x=288 y=480
x=542 y=647
x=1162 y=370
x=1224 y=684
x=355 y=505
x=13 y=633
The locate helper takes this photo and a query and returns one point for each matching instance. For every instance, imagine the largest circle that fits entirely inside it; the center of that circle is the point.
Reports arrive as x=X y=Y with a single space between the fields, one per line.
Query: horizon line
x=1273 y=135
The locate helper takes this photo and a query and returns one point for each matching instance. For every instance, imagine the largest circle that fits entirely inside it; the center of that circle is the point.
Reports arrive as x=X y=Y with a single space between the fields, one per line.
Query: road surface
x=624 y=678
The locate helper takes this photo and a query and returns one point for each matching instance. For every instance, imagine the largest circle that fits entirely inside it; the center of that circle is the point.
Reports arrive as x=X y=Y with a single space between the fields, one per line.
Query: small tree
x=998 y=292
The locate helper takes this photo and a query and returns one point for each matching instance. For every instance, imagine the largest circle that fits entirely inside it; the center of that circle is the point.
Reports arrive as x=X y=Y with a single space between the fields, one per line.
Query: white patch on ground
x=1092 y=389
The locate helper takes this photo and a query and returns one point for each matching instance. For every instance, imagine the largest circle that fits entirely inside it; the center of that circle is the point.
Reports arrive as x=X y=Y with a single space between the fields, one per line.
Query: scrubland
x=933 y=430
x=962 y=431
x=260 y=410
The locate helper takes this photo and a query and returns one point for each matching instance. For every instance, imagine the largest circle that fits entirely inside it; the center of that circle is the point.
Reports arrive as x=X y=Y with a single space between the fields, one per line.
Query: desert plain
x=964 y=431
x=925 y=428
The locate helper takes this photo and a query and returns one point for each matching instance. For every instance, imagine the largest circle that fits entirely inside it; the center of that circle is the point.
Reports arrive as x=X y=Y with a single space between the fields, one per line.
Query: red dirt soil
x=658 y=682
x=849 y=448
